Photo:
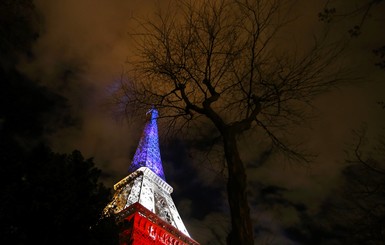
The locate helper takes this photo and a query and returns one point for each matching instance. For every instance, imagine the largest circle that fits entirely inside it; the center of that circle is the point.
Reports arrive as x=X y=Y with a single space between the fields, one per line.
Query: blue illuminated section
x=148 y=154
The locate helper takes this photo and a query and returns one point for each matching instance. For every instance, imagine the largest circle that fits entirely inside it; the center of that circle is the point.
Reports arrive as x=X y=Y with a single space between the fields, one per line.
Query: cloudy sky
x=81 y=54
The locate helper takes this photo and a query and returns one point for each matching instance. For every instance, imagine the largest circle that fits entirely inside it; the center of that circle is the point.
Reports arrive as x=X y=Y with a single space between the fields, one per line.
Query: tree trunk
x=242 y=231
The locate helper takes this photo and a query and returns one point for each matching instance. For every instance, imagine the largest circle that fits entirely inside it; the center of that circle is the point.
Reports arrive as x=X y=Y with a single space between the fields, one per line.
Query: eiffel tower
x=142 y=204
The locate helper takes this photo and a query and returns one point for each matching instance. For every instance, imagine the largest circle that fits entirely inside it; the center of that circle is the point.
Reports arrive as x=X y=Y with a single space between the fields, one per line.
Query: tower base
x=139 y=226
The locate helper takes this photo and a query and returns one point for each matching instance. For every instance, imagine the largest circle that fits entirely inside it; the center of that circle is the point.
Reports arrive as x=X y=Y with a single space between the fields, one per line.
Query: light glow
x=148 y=153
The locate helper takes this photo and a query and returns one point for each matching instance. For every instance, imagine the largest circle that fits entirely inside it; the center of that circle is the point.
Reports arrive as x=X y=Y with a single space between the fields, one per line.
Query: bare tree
x=221 y=61
x=354 y=212
x=358 y=11
x=363 y=195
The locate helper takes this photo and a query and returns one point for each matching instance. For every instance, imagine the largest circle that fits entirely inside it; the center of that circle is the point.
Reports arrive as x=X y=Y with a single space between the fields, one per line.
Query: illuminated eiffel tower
x=142 y=203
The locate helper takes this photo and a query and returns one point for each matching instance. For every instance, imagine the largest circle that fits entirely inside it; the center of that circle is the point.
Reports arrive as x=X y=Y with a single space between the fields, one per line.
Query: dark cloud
x=183 y=173
x=81 y=51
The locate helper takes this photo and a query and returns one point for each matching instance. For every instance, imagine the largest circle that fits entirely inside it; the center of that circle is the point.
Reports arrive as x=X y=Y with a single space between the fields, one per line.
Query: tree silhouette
x=358 y=13
x=354 y=212
x=361 y=207
x=45 y=197
x=360 y=10
x=218 y=61
x=51 y=198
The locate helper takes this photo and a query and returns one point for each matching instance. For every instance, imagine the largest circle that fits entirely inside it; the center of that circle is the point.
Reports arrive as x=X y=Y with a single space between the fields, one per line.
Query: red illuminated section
x=142 y=227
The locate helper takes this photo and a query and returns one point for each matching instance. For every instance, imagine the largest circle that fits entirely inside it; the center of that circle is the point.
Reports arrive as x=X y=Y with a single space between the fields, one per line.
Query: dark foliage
x=46 y=197
x=51 y=198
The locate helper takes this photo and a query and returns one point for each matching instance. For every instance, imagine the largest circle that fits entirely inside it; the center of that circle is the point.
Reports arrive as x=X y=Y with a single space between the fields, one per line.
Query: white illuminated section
x=151 y=191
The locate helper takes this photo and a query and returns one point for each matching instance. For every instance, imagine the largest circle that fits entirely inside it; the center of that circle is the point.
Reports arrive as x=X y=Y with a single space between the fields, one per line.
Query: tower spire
x=148 y=153
x=142 y=204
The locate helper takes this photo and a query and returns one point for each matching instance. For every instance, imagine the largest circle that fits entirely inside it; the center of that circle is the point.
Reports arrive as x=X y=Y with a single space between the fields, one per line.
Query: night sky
x=81 y=53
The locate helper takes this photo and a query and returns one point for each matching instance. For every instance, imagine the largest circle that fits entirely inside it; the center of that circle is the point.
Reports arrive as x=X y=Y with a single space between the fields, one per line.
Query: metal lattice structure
x=148 y=154
x=141 y=227
x=142 y=202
